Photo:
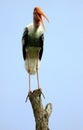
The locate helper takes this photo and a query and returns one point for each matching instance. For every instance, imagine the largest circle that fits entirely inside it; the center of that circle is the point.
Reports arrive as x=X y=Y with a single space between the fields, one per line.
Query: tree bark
x=41 y=114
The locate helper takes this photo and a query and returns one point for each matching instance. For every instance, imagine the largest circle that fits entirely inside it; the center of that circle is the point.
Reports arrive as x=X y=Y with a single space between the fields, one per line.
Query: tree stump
x=41 y=114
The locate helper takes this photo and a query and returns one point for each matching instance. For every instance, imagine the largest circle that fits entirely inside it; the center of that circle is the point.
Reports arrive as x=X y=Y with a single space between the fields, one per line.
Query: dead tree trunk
x=41 y=114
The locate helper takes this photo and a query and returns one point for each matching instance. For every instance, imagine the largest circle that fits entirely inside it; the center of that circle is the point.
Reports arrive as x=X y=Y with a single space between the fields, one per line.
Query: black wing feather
x=41 y=42
x=24 y=42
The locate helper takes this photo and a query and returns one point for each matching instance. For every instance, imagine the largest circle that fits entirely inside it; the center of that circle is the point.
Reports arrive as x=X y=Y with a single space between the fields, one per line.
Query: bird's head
x=37 y=16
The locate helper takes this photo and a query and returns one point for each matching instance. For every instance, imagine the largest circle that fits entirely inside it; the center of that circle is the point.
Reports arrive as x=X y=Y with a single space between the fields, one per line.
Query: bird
x=33 y=44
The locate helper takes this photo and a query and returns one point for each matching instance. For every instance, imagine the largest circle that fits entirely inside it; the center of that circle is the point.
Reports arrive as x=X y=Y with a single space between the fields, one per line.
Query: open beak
x=39 y=13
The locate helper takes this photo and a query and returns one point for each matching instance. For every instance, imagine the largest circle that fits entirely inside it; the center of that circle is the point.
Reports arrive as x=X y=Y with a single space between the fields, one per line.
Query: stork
x=33 y=42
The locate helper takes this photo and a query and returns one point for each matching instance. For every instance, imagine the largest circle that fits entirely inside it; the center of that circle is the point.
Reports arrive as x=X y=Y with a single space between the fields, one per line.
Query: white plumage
x=35 y=33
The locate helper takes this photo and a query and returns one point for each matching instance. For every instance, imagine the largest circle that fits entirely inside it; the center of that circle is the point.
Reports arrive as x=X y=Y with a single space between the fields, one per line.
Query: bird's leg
x=38 y=80
x=37 y=70
x=29 y=77
x=29 y=70
x=29 y=83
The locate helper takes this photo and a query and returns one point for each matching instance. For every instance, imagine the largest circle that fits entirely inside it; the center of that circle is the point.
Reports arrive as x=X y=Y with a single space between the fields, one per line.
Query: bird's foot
x=28 y=95
x=41 y=92
x=39 y=87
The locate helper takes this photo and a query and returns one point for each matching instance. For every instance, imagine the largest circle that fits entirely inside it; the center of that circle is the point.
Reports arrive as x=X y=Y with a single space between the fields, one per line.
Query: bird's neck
x=36 y=24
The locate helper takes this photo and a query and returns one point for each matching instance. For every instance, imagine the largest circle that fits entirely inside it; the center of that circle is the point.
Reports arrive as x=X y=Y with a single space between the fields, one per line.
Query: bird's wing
x=24 y=42
x=41 y=41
